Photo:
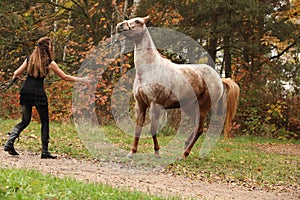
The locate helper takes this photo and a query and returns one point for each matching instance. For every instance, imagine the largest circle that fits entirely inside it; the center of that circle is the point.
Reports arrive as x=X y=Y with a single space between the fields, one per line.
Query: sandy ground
x=153 y=182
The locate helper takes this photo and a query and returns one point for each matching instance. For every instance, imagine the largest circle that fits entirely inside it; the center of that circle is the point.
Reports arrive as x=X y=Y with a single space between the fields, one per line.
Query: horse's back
x=210 y=77
x=171 y=84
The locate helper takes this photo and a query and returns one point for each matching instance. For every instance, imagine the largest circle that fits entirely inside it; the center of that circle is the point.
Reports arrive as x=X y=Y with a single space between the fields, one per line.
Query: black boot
x=45 y=152
x=9 y=146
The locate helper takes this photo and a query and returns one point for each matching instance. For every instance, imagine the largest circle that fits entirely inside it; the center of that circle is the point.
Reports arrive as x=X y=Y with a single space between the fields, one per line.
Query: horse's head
x=132 y=28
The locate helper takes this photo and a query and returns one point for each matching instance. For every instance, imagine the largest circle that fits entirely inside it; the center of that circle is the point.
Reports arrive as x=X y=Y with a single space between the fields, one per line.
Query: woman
x=32 y=93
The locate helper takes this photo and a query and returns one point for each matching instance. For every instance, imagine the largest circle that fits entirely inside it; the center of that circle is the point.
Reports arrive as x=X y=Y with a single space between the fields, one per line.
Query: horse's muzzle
x=122 y=27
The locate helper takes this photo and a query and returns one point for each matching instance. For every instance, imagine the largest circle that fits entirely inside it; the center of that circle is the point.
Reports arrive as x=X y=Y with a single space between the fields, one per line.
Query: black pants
x=44 y=118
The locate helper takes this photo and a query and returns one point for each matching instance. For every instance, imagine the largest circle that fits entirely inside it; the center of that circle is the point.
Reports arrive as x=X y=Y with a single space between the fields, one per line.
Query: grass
x=63 y=138
x=235 y=160
x=30 y=184
x=240 y=161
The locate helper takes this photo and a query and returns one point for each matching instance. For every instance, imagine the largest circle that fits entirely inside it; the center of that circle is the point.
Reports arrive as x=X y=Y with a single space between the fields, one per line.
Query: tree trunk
x=213 y=42
x=227 y=57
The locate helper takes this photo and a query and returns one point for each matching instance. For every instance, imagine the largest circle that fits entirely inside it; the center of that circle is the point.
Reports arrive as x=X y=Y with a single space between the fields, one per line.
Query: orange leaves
x=60 y=100
x=269 y=39
x=93 y=10
x=105 y=70
x=292 y=14
x=187 y=2
x=164 y=15
x=9 y=103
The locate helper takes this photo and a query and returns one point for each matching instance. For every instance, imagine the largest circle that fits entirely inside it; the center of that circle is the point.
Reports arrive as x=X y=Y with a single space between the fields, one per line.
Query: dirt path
x=150 y=182
x=283 y=149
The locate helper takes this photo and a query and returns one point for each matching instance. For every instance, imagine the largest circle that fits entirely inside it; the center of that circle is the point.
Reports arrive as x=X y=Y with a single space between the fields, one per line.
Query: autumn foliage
x=255 y=43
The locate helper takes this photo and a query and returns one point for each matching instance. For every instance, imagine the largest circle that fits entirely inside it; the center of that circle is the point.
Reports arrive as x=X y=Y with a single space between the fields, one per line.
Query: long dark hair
x=40 y=58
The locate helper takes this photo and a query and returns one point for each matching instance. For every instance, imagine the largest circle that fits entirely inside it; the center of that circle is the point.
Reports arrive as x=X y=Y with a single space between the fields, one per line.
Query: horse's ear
x=145 y=19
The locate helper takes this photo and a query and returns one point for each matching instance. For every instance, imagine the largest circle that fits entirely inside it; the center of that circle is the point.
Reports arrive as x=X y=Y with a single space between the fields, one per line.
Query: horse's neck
x=145 y=51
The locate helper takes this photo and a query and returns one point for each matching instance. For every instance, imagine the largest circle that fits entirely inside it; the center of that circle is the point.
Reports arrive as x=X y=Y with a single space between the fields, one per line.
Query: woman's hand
x=14 y=76
x=84 y=79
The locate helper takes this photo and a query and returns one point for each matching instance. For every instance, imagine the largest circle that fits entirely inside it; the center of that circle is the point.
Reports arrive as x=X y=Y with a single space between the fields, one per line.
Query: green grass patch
x=124 y=141
x=64 y=138
x=239 y=160
x=30 y=184
x=236 y=160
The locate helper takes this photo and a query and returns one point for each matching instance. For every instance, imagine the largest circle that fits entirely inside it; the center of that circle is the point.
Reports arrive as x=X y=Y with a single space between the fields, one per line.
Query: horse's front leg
x=155 y=112
x=140 y=110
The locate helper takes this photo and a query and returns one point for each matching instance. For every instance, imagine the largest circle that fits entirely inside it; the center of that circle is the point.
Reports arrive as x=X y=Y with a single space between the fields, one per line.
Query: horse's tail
x=232 y=91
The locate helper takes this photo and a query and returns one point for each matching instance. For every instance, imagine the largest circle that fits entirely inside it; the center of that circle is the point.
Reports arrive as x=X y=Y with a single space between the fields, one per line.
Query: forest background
x=255 y=42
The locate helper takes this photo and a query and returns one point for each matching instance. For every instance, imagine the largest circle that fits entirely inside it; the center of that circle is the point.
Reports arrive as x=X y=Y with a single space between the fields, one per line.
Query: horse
x=160 y=83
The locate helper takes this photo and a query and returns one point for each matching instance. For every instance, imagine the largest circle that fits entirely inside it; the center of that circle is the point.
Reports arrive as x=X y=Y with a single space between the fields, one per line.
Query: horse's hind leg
x=192 y=139
x=190 y=142
x=155 y=111
x=140 y=119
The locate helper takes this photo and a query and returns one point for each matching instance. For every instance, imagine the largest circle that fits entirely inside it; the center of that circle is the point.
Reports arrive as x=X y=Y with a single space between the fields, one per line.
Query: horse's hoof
x=156 y=153
x=180 y=158
x=184 y=156
x=130 y=155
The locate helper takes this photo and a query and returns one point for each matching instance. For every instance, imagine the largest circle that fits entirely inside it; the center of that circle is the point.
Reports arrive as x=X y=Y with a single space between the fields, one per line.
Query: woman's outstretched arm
x=54 y=67
x=20 y=70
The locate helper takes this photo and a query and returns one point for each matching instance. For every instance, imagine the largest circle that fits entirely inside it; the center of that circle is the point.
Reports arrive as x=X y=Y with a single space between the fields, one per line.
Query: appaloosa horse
x=161 y=83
